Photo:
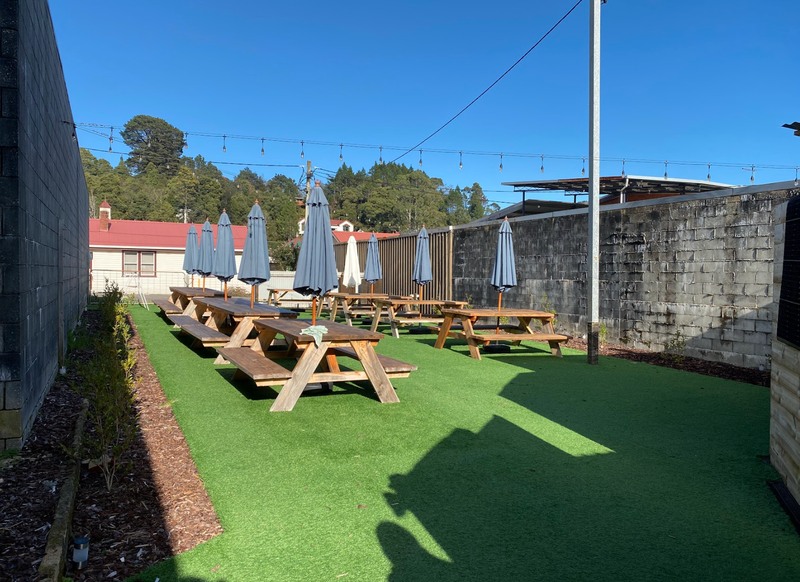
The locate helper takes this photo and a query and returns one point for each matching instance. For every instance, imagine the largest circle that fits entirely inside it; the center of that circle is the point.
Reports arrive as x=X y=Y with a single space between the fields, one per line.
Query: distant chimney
x=105 y=216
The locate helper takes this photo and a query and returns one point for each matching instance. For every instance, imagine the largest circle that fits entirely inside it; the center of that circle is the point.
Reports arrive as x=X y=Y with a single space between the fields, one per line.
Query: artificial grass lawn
x=518 y=467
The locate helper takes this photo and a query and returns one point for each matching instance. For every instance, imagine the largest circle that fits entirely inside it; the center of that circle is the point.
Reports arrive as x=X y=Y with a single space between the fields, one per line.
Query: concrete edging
x=52 y=567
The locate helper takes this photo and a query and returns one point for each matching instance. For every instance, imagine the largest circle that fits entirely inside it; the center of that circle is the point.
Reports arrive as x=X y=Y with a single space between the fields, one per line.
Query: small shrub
x=548 y=307
x=238 y=292
x=675 y=348
x=603 y=333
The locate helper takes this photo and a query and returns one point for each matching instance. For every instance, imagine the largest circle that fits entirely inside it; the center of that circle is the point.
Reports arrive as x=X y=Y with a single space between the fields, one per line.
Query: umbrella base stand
x=419 y=330
x=497 y=348
x=318 y=387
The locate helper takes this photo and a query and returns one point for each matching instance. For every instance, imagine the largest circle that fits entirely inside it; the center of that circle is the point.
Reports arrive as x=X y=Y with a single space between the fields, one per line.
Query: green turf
x=517 y=467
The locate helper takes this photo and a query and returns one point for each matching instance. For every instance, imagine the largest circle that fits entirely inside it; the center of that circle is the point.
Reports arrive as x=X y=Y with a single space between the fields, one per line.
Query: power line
x=496 y=81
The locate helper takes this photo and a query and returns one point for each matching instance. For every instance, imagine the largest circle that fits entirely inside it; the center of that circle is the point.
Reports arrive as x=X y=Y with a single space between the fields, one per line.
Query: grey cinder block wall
x=701 y=266
x=44 y=238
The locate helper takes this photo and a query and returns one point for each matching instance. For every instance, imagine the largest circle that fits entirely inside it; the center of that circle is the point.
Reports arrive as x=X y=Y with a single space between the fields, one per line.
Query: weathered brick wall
x=701 y=267
x=784 y=430
x=44 y=205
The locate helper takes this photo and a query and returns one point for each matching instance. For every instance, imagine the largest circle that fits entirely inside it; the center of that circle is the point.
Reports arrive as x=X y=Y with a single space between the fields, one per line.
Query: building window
x=142 y=263
x=346 y=227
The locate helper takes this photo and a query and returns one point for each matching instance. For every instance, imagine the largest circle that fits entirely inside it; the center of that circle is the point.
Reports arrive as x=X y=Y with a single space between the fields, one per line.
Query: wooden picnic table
x=228 y=324
x=257 y=362
x=392 y=306
x=182 y=297
x=509 y=332
x=352 y=304
x=278 y=296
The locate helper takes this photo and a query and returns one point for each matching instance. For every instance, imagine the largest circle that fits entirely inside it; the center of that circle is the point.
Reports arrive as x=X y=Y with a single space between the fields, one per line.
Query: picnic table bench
x=165 y=305
x=183 y=297
x=352 y=304
x=513 y=333
x=314 y=363
x=397 y=312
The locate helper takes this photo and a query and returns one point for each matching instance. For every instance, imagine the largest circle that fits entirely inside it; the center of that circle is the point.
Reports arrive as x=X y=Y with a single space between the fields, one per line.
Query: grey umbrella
x=422 y=264
x=190 y=255
x=504 y=274
x=224 y=255
x=372 y=270
x=206 y=256
x=254 y=267
x=316 y=265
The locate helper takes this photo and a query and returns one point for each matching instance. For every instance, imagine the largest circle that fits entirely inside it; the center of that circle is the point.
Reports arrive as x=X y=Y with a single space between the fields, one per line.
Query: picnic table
x=397 y=312
x=353 y=304
x=257 y=361
x=277 y=297
x=469 y=328
x=228 y=324
x=181 y=300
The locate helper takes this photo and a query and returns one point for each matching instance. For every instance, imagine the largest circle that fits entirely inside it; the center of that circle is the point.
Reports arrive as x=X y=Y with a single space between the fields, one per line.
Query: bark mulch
x=159 y=506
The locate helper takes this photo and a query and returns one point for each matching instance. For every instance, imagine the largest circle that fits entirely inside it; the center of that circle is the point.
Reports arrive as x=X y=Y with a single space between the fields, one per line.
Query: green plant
x=603 y=333
x=675 y=348
x=108 y=382
x=238 y=292
x=548 y=307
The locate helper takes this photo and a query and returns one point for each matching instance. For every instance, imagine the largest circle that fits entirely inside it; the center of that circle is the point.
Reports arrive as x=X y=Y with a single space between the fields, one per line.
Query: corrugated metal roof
x=146 y=234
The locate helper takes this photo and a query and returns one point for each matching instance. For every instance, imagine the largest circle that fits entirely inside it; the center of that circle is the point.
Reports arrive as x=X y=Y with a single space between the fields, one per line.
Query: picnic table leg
x=376 y=317
x=319 y=309
x=263 y=341
x=175 y=298
x=334 y=308
x=216 y=320
x=189 y=309
x=301 y=374
x=448 y=321
x=375 y=372
x=474 y=349
x=523 y=325
x=555 y=347
x=395 y=333
x=238 y=336
x=348 y=316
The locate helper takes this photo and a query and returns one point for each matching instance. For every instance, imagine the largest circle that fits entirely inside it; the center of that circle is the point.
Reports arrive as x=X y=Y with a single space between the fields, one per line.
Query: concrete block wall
x=701 y=266
x=784 y=430
x=43 y=216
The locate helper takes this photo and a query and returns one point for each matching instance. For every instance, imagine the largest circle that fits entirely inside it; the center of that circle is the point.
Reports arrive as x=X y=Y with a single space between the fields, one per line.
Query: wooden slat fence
x=397 y=262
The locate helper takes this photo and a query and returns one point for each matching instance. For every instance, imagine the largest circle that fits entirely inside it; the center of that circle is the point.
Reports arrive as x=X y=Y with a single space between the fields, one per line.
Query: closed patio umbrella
x=422 y=274
x=316 y=265
x=254 y=267
x=372 y=270
x=190 y=255
x=504 y=274
x=224 y=255
x=352 y=273
x=206 y=256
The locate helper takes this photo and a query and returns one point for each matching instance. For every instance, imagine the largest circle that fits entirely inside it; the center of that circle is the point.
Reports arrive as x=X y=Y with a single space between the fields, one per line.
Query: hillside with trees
x=158 y=182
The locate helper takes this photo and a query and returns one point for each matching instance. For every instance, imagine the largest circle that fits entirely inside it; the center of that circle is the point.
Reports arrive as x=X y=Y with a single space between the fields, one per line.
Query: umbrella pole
x=204 y=284
x=499 y=303
x=192 y=283
x=420 y=301
x=314 y=311
x=252 y=296
x=371 y=288
x=226 y=290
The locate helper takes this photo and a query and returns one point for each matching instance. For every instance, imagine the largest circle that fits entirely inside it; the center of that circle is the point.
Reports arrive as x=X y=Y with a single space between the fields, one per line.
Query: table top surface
x=291 y=329
x=505 y=312
x=196 y=292
x=440 y=302
x=359 y=295
x=240 y=307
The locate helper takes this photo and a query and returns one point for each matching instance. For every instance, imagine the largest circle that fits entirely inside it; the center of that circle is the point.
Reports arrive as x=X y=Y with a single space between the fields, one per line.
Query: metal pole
x=308 y=187
x=593 y=262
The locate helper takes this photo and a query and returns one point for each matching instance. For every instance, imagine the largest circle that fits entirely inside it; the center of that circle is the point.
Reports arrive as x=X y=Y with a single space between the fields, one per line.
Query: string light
x=583 y=168
x=708 y=176
x=110 y=139
x=541 y=170
x=623 y=167
x=460 y=161
x=501 y=162
x=224 y=148
x=752 y=170
x=795 y=177
x=665 y=169
x=74 y=135
x=262 y=146
x=302 y=149
x=185 y=141
x=340 y=152
x=380 y=155
x=420 y=158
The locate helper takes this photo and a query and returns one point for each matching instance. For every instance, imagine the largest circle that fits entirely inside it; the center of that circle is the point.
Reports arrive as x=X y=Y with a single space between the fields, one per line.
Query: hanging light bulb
x=583 y=168
x=623 y=167
x=380 y=155
x=752 y=174
x=262 y=146
x=665 y=170
x=185 y=141
x=302 y=149
x=110 y=138
x=501 y=162
x=795 y=177
x=708 y=176
x=74 y=135
x=224 y=149
x=340 y=152
x=420 y=158
x=460 y=161
x=542 y=168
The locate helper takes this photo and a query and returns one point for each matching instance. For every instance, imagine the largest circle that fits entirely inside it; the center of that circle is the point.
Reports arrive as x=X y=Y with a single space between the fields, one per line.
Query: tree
x=477 y=201
x=153 y=141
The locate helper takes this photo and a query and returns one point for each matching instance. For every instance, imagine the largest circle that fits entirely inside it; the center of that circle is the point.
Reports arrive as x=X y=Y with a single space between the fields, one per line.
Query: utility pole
x=593 y=260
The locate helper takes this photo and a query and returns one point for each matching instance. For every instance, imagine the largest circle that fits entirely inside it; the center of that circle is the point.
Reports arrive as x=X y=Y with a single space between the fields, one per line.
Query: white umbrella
x=352 y=273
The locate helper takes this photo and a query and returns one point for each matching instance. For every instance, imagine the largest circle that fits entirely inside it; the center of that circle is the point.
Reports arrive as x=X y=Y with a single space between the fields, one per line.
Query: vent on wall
x=789 y=309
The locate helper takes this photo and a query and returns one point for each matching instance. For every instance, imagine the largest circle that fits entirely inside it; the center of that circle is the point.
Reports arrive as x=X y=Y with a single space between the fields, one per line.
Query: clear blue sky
x=681 y=81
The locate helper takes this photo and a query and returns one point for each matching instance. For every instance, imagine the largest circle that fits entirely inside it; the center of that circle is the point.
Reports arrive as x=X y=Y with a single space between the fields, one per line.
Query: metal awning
x=641 y=185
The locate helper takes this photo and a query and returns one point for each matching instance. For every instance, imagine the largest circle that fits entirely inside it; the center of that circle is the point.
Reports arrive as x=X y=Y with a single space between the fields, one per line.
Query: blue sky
x=681 y=81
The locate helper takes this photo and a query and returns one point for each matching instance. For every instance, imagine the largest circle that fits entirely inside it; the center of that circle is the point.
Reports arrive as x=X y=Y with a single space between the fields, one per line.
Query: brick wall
x=43 y=215
x=701 y=266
